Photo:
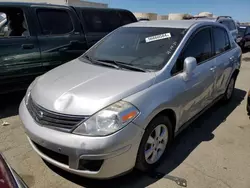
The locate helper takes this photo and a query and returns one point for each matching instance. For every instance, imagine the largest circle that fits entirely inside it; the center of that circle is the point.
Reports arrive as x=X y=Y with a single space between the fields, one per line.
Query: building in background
x=179 y=16
x=162 y=17
x=65 y=2
x=150 y=16
x=207 y=14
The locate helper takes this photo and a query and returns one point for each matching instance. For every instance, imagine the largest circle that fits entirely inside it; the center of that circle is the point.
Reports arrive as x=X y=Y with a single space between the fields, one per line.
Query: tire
x=230 y=90
x=164 y=123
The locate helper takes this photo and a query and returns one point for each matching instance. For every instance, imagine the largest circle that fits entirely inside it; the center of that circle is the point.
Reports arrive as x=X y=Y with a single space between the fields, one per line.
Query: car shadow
x=245 y=50
x=9 y=103
x=201 y=130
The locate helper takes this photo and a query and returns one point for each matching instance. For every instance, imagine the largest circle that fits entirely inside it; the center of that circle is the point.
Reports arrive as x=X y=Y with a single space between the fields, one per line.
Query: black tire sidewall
x=225 y=98
x=141 y=163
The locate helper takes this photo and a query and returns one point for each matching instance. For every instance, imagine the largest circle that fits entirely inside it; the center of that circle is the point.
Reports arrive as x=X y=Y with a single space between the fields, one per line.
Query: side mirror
x=190 y=64
x=5 y=29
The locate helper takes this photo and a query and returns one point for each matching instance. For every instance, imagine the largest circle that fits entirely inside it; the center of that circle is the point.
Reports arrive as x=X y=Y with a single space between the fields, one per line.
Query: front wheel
x=155 y=141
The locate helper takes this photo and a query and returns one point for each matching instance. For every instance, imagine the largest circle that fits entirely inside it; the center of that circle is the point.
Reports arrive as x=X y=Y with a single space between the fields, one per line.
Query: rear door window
x=221 y=40
x=101 y=20
x=54 y=22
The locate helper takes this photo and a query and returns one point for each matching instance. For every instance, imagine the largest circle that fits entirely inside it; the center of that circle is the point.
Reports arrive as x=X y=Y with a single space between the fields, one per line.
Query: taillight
x=6 y=178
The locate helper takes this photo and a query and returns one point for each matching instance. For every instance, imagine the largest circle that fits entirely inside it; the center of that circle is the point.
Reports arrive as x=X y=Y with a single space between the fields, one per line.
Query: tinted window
x=54 y=22
x=15 y=25
x=248 y=31
x=127 y=17
x=100 y=20
x=221 y=40
x=199 y=47
x=225 y=23
x=241 y=31
x=145 y=47
x=231 y=25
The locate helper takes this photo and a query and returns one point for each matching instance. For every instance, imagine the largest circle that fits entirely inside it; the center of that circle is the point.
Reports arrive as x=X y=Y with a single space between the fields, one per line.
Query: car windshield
x=241 y=31
x=148 y=48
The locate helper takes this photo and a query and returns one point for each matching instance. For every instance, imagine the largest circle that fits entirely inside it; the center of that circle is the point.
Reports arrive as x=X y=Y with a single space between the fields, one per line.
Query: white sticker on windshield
x=158 y=37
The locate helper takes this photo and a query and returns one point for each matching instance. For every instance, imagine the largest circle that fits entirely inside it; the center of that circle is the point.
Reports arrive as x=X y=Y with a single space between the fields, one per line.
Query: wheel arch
x=170 y=113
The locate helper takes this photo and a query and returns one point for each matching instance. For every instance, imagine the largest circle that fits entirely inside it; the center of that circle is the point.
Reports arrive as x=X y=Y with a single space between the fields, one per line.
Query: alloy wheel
x=156 y=144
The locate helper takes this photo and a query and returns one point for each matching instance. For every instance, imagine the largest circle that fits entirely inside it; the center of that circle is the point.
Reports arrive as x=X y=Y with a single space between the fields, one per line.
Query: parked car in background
x=143 y=19
x=243 y=38
x=227 y=21
x=40 y=37
x=121 y=104
x=8 y=177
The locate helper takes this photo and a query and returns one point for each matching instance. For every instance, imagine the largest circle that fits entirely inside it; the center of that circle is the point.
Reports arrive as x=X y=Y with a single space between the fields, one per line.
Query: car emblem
x=40 y=114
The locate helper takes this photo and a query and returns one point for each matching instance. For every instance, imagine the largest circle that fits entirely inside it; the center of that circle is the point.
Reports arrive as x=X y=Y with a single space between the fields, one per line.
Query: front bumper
x=117 y=151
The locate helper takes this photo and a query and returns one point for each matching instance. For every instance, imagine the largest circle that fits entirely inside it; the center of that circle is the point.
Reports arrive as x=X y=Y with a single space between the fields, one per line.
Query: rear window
x=242 y=31
x=144 y=47
x=229 y=24
x=101 y=20
x=54 y=22
x=232 y=25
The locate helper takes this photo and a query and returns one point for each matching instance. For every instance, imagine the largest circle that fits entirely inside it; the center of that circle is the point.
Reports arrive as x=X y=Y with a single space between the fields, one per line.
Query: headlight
x=108 y=120
x=27 y=95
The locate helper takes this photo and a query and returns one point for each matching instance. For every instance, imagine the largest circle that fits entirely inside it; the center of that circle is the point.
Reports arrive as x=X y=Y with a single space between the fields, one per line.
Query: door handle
x=231 y=58
x=213 y=68
x=27 y=46
x=73 y=42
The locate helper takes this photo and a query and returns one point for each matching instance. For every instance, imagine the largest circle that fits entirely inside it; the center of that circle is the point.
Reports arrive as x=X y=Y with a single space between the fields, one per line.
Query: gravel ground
x=213 y=152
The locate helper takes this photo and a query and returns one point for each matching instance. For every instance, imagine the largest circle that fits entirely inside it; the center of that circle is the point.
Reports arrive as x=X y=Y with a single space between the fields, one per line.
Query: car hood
x=79 y=88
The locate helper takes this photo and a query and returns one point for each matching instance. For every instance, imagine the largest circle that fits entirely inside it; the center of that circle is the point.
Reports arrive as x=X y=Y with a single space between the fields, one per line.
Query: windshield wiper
x=122 y=65
x=109 y=63
x=100 y=62
x=87 y=57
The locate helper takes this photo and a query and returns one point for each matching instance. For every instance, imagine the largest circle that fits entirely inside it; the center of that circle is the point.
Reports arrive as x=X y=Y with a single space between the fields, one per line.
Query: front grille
x=64 y=159
x=51 y=119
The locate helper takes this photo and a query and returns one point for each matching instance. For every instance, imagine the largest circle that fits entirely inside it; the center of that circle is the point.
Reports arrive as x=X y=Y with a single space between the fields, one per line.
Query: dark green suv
x=35 y=37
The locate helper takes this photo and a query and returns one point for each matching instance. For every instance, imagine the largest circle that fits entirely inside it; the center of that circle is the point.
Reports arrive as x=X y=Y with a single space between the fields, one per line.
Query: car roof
x=244 y=26
x=213 y=19
x=23 y=3
x=182 y=24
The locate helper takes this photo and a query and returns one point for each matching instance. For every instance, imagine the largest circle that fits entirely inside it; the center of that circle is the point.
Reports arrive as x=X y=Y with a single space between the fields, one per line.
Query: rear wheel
x=155 y=141
x=230 y=89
